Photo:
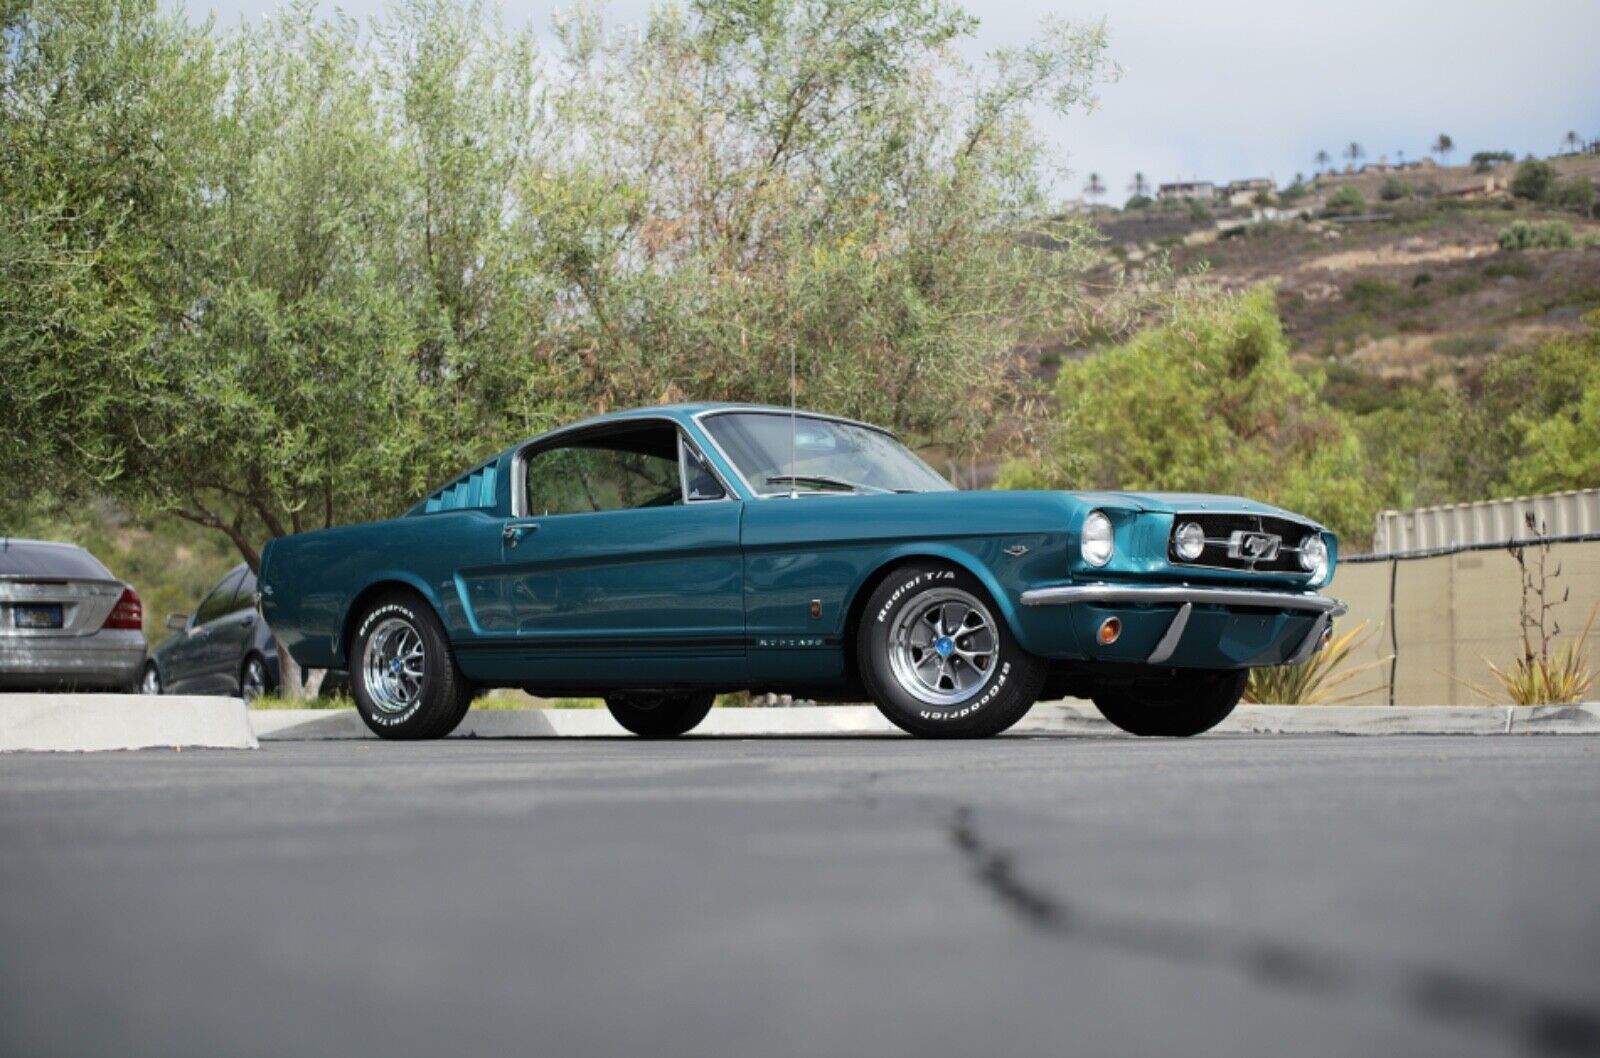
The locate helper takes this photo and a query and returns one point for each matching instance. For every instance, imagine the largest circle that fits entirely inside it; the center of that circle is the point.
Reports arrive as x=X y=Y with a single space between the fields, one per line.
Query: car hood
x=1173 y=502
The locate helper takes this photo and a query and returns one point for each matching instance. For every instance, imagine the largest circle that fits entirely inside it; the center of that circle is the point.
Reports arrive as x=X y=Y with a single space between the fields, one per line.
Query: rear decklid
x=53 y=590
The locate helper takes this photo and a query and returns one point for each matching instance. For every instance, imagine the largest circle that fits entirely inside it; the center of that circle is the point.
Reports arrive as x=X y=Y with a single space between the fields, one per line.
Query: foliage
x=1535 y=425
x=1576 y=194
x=281 y=277
x=1293 y=193
x=1314 y=680
x=1138 y=202
x=1535 y=181
x=1345 y=202
x=1536 y=235
x=1206 y=402
x=1395 y=189
x=1483 y=161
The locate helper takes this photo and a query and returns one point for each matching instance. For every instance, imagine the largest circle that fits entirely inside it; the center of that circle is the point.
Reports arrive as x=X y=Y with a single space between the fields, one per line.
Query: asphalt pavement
x=1220 y=896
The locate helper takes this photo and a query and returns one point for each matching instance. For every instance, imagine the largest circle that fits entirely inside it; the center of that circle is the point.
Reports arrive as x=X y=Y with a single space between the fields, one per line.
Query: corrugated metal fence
x=1451 y=598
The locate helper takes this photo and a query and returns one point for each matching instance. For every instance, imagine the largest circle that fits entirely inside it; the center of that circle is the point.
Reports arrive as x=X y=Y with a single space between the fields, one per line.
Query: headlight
x=1314 y=557
x=1189 y=541
x=1097 y=543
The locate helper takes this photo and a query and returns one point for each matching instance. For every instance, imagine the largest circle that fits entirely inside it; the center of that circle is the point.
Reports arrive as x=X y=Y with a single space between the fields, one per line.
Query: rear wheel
x=1186 y=703
x=936 y=659
x=403 y=675
x=659 y=714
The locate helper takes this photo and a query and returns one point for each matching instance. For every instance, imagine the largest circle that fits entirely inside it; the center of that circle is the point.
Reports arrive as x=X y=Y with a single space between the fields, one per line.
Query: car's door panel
x=199 y=669
x=664 y=578
x=655 y=578
x=231 y=636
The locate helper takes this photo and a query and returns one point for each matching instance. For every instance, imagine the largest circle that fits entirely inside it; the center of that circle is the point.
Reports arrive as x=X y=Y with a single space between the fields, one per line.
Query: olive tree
x=283 y=277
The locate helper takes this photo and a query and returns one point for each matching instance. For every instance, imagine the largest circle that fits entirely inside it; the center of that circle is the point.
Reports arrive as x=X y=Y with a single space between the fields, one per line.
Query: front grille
x=1228 y=542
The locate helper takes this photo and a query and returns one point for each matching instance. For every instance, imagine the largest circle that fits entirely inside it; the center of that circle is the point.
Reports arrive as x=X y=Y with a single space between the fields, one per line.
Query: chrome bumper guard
x=1187 y=597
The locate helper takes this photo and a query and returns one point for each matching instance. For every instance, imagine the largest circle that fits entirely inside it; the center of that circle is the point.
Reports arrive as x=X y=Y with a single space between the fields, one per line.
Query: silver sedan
x=65 y=621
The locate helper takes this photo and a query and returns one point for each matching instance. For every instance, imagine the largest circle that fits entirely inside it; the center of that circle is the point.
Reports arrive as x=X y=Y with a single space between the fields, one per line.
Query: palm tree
x=1355 y=152
x=1572 y=142
x=1140 y=187
x=1443 y=146
x=1095 y=188
x=1322 y=160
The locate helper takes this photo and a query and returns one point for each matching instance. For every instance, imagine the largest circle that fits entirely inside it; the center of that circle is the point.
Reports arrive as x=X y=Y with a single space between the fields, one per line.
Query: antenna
x=794 y=419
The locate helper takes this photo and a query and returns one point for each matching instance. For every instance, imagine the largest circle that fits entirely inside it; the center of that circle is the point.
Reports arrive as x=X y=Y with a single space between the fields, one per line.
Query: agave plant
x=1313 y=681
x=1550 y=677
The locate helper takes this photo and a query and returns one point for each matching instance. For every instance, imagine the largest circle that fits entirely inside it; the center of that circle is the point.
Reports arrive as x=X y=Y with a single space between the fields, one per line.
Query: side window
x=698 y=481
x=245 y=596
x=220 y=601
x=614 y=471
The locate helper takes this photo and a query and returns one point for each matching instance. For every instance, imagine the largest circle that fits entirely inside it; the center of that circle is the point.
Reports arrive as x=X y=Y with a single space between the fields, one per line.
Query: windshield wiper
x=818 y=481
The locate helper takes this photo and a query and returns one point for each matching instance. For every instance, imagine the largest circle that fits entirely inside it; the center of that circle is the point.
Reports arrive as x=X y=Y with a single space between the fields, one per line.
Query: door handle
x=513 y=532
x=250 y=621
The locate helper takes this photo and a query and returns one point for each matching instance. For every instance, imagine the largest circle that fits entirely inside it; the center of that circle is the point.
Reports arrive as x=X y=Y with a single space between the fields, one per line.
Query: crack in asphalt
x=1538 y=1023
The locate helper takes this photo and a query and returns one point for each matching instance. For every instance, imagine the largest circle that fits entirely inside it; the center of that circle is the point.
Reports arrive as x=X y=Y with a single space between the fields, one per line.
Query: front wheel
x=253 y=678
x=659 y=715
x=403 y=676
x=938 y=661
x=150 y=681
x=1185 y=703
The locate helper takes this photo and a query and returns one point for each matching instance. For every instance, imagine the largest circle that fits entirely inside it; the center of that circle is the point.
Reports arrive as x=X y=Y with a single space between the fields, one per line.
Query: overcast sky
x=1225 y=89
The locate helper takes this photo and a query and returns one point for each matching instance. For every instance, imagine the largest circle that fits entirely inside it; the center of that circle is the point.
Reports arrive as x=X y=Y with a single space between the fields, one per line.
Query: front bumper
x=110 y=658
x=1194 y=626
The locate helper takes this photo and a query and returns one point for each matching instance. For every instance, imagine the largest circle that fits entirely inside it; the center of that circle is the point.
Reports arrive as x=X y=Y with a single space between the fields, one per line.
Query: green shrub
x=1372 y=294
x=1421 y=279
x=1345 y=202
x=1206 y=402
x=1535 y=181
x=1576 y=194
x=1541 y=235
x=1394 y=189
x=1139 y=202
x=1514 y=268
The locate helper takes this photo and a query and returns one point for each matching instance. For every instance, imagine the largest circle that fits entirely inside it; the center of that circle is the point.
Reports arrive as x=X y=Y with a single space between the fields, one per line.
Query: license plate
x=36 y=616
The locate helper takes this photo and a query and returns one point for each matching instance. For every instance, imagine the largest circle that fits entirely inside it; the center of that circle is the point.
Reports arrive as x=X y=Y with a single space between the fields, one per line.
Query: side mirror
x=177 y=621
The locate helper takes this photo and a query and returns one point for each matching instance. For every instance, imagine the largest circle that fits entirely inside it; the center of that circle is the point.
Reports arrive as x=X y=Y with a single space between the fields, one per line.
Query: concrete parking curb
x=87 y=723
x=1074 y=718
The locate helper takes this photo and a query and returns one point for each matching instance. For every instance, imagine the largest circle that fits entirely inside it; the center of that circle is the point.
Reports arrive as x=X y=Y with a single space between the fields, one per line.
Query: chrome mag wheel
x=254 y=683
x=151 y=683
x=393 y=666
x=943 y=647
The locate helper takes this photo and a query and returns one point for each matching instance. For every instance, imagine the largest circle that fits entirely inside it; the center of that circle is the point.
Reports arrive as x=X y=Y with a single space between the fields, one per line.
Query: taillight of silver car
x=128 y=613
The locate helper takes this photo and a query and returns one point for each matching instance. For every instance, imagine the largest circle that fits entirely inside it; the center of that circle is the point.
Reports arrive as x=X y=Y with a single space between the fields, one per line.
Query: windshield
x=829 y=456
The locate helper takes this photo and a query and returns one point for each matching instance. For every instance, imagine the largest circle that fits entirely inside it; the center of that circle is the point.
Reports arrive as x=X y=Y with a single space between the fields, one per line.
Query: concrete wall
x=1453 y=611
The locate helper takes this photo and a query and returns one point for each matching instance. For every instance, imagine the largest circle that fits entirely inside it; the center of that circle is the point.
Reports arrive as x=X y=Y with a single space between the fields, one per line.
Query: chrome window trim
x=519 y=461
x=687 y=447
x=764 y=409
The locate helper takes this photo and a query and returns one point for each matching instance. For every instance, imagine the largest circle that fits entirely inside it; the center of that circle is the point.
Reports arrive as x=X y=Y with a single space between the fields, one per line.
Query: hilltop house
x=1244 y=192
x=1189 y=191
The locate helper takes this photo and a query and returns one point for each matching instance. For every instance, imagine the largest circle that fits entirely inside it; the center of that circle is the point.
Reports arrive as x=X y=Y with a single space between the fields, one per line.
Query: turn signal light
x=128 y=613
x=1110 y=629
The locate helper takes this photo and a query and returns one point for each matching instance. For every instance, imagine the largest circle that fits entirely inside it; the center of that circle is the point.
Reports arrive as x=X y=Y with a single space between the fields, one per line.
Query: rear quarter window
x=27 y=558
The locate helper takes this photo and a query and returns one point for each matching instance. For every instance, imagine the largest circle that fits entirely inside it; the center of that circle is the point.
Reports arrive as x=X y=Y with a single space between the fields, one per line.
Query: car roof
x=685 y=412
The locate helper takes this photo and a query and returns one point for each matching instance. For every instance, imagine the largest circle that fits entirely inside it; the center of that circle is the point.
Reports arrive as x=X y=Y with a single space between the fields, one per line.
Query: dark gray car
x=224 y=647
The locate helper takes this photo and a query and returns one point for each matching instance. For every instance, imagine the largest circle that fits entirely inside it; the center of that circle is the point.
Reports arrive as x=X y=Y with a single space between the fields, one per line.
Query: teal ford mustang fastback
x=661 y=556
